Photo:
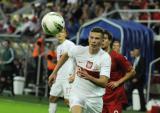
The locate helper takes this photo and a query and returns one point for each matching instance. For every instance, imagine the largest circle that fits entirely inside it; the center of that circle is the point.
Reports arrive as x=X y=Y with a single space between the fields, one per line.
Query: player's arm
x=104 y=72
x=126 y=67
x=126 y=77
x=61 y=61
x=101 y=81
x=71 y=78
x=130 y=71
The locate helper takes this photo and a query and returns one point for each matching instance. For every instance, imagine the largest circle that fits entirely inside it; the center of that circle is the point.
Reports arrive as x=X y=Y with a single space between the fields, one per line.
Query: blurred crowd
x=75 y=13
x=27 y=22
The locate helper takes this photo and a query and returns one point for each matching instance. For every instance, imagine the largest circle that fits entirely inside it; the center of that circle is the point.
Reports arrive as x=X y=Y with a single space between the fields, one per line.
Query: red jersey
x=120 y=65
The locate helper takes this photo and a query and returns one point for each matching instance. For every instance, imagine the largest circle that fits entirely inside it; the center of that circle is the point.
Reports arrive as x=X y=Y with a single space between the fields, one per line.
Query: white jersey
x=68 y=67
x=96 y=65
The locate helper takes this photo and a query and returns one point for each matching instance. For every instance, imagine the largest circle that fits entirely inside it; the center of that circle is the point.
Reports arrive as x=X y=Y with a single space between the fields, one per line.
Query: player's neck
x=93 y=51
x=107 y=49
x=62 y=41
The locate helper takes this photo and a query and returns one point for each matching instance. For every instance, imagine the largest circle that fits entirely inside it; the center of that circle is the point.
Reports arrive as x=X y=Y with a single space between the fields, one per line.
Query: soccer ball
x=52 y=23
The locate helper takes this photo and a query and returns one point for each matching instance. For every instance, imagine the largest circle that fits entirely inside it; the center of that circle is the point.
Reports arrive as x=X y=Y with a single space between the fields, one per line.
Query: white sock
x=52 y=107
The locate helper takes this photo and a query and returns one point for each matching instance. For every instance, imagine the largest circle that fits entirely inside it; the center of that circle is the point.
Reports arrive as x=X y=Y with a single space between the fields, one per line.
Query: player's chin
x=93 y=45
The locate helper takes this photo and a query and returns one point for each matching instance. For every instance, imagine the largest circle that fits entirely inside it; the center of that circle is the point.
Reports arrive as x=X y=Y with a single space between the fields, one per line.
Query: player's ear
x=88 y=40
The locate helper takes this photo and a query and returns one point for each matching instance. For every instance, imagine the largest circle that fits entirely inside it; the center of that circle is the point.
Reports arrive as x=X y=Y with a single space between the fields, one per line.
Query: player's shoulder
x=104 y=54
x=69 y=42
x=78 y=50
x=117 y=56
x=81 y=49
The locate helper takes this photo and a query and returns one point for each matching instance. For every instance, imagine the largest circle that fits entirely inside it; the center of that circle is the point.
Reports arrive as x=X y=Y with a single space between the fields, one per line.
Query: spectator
x=72 y=26
x=126 y=15
x=85 y=14
x=132 y=56
x=156 y=16
x=7 y=66
x=51 y=59
x=38 y=51
x=30 y=27
x=17 y=67
x=138 y=81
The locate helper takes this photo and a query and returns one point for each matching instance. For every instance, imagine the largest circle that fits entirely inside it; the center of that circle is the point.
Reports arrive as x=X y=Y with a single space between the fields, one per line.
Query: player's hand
x=71 y=78
x=113 y=84
x=51 y=79
x=83 y=74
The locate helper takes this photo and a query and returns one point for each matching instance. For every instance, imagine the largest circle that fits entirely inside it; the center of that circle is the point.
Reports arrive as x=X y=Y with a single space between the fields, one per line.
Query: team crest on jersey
x=89 y=64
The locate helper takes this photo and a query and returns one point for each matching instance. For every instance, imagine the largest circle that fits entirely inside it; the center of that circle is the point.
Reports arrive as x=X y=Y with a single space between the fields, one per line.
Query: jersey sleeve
x=72 y=52
x=70 y=45
x=124 y=63
x=105 y=65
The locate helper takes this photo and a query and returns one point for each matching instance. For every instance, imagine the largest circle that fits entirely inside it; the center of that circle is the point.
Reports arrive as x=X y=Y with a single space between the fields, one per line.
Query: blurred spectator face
x=116 y=46
x=136 y=52
x=132 y=53
x=5 y=43
x=61 y=36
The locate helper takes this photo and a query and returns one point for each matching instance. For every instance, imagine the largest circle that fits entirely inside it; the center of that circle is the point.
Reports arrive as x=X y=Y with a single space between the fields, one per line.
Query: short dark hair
x=110 y=37
x=137 y=48
x=116 y=41
x=97 y=29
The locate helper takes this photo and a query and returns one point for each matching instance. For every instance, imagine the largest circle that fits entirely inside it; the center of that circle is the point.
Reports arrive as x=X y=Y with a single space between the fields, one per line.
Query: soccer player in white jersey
x=61 y=86
x=92 y=74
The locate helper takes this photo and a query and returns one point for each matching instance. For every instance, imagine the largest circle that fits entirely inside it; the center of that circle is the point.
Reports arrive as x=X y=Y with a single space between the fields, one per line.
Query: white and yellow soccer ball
x=52 y=23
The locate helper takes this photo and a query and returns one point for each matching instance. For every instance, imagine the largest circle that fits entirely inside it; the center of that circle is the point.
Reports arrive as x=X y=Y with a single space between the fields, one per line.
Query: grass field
x=33 y=105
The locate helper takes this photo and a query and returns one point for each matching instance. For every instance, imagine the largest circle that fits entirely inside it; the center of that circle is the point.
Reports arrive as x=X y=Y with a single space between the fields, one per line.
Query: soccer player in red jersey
x=121 y=71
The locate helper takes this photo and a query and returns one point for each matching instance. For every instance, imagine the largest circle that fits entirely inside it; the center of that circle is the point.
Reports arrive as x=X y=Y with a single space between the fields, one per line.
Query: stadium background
x=20 y=23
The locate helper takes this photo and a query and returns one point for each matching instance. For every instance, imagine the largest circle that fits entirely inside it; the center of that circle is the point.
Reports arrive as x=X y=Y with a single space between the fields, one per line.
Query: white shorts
x=61 y=88
x=89 y=104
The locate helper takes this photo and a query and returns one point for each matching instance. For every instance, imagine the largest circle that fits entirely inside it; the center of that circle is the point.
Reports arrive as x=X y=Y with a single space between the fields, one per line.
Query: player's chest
x=90 y=63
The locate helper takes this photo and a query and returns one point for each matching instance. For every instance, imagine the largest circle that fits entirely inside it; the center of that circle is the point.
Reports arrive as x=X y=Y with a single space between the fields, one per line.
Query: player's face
x=61 y=36
x=95 y=40
x=106 y=42
x=116 y=46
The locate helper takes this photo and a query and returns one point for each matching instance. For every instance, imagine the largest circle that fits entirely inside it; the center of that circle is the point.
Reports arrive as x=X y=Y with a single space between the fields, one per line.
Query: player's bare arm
x=127 y=76
x=71 y=78
x=101 y=81
x=61 y=61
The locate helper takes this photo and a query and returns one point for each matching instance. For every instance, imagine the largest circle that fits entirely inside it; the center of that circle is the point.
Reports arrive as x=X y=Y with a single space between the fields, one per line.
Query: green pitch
x=11 y=106
x=14 y=106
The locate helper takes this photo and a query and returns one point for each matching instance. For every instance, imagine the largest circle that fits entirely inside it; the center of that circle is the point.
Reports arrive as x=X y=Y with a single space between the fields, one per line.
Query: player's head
x=95 y=38
x=107 y=39
x=116 y=45
x=62 y=36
